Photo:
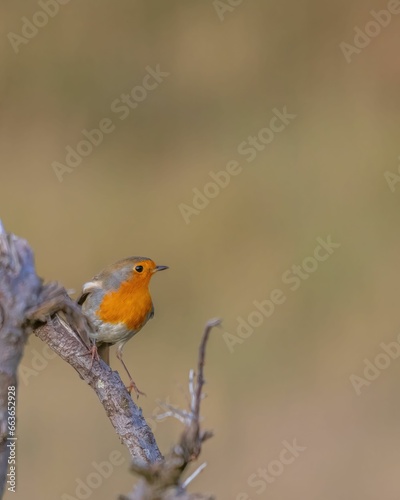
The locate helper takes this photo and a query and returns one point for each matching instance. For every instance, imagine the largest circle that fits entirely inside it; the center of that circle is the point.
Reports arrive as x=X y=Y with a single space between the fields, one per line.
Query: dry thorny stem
x=163 y=480
x=27 y=305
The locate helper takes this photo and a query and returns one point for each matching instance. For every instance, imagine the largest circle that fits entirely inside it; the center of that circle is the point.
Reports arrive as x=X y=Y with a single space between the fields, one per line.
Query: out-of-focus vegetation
x=322 y=175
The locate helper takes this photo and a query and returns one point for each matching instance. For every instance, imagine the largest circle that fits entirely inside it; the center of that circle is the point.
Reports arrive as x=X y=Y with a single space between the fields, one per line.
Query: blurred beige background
x=322 y=175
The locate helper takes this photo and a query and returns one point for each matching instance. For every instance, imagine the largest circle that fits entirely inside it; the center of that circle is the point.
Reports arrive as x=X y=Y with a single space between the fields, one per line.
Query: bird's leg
x=132 y=384
x=93 y=352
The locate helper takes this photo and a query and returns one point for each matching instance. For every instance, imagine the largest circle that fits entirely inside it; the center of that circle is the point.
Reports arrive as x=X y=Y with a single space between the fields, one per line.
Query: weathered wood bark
x=20 y=289
x=27 y=305
x=125 y=416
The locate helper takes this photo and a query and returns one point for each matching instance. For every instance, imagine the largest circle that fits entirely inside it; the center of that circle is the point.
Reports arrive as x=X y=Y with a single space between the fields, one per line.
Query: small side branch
x=200 y=367
x=163 y=481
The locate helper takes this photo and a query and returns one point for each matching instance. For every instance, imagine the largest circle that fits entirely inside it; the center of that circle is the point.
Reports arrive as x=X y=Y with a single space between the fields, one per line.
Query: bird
x=117 y=304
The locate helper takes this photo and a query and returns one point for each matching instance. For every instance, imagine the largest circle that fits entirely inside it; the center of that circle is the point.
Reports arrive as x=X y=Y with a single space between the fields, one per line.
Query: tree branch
x=26 y=305
x=125 y=416
x=19 y=290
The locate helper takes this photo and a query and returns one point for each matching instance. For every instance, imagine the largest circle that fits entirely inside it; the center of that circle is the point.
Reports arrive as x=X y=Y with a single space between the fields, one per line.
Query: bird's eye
x=139 y=269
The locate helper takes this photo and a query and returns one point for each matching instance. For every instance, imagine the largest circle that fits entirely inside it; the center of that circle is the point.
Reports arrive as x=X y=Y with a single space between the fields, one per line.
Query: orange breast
x=130 y=304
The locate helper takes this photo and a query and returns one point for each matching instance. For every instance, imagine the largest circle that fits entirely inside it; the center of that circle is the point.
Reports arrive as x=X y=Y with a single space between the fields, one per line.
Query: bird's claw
x=93 y=352
x=133 y=386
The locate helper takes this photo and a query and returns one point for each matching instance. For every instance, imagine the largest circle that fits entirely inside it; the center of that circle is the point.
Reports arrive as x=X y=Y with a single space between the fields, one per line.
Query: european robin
x=118 y=304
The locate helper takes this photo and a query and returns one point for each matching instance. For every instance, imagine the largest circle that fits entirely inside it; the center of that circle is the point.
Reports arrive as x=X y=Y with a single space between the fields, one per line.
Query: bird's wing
x=88 y=288
x=151 y=313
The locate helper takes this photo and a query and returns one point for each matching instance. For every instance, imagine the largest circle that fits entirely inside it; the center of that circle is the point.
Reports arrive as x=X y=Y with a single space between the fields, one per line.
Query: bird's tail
x=104 y=352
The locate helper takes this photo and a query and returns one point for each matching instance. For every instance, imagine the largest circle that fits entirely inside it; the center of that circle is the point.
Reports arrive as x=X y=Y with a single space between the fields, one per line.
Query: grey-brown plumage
x=118 y=304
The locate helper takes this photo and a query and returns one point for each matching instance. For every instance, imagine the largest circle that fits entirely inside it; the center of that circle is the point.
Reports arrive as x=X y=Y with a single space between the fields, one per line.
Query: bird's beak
x=159 y=268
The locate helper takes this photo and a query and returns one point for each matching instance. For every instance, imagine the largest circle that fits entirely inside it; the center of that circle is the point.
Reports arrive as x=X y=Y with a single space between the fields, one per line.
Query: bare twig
x=163 y=481
x=193 y=476
x=200 y=370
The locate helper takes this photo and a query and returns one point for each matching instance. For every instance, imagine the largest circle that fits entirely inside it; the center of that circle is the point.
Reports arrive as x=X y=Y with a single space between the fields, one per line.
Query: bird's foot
x=93 y=352
x=133 y=386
